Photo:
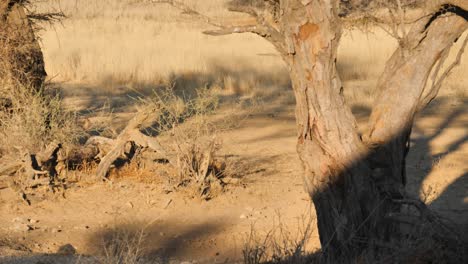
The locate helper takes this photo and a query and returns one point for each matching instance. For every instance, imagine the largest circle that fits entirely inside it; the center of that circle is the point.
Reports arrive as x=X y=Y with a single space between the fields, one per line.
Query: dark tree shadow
x=124 y=94
x=158 y=243
x=434 y=239
x=159 y=247
x=421 y=162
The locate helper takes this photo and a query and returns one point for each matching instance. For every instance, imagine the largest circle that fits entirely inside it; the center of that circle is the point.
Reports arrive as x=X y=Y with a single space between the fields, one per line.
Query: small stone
x=67 y=249
x=33 y=221
x=130 y=204
x=56 y=230
x=243 y=216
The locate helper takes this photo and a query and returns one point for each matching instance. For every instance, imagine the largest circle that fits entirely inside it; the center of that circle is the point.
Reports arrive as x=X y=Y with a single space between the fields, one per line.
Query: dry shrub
x=28 y=125
x=197 y=166
x=280 y=245
x=433 y=240
x=28 y=118
x=189 y=135
x=123 y=246
x=32 y=121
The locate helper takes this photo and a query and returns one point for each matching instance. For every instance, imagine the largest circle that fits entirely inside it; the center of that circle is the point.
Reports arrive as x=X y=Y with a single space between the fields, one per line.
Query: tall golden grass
x=110 y=43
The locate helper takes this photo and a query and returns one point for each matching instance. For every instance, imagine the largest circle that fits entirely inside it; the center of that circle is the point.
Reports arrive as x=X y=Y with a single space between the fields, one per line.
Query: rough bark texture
x=356 y=185
x=21 y=60
x=401 y=91
x=328 y=143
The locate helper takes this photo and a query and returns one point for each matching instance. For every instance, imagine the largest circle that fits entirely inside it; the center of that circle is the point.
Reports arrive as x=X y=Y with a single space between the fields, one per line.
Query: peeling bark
x=354 y=183
x=328 y=143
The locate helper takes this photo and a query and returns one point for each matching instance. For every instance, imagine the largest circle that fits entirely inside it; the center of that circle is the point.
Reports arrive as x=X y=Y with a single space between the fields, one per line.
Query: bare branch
x=185 y=8
x=131 y=134
x=401 y=13
x=437 y=84
x=243 y=9
x=234 y=30
x=224 y=28
x=262 y=27
x=47 y=17
x=437 y=4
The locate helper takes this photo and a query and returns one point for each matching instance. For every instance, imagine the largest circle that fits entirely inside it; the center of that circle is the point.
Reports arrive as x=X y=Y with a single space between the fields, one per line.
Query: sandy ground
x=107 y=42
x=178 y=228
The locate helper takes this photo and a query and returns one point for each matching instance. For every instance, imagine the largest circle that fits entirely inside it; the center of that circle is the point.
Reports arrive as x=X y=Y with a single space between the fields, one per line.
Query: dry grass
x=280 y=244
x=29 y=124
x=109 y=44
x=185 y=126
x=190 y=135
x=113 y=43
x=123 y=246
x=428 y=243
x=34 y=120
x=135 y=172
x=123 y=43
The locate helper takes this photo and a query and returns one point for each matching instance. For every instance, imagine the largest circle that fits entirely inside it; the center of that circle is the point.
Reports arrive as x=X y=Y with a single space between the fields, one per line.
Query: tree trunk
x=402 y=90
x=354 y=183
x=21 y=58
x=329 y=146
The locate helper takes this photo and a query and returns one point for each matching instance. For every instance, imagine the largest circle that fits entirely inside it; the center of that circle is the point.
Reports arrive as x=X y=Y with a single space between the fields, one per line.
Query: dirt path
x=181 y=229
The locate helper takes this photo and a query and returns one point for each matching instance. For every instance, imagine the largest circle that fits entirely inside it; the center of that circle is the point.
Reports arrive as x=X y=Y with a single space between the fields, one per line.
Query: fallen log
x=131 y=134
x=194 y=161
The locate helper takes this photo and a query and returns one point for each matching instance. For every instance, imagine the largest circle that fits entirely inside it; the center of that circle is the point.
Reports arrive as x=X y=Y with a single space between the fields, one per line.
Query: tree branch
x=243 y=9
x=233 y=30
x=185 y=8
x=261 y=27
x=437 y=84
x=131 y=134
x=437 y=4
